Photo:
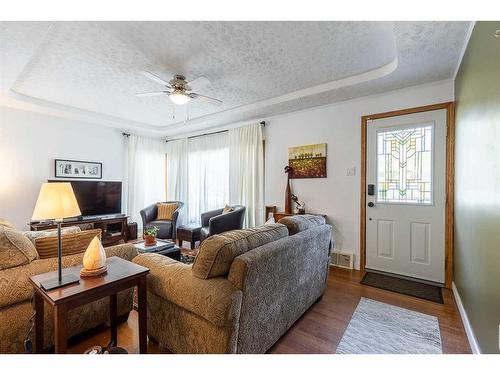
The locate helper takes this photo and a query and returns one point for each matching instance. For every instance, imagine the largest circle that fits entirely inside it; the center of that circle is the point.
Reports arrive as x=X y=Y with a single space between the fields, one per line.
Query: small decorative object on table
x=94 y=260
x=150 y=236
x=300 y=209
x=288 y=191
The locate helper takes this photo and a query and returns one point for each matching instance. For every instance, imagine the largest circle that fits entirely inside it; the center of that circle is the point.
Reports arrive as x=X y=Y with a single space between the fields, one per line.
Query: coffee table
x=162 y=247
x=121 y=275
x=189 y=232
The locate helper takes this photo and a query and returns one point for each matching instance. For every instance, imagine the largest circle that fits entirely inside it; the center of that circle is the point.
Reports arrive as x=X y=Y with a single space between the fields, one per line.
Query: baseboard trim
x=465 y=320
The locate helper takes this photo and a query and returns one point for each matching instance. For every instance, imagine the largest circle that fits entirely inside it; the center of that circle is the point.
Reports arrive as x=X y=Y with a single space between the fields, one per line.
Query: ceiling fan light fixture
x=179 y=97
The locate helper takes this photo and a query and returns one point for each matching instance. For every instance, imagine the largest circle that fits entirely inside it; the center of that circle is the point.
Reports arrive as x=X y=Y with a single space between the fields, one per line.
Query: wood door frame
x=450 y=173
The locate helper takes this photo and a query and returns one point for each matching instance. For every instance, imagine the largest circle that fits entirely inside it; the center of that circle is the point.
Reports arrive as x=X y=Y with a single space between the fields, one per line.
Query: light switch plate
x=351 y=171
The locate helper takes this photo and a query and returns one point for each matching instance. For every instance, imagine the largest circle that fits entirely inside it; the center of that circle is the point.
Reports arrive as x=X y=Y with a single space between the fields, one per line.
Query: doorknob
x=371 y=204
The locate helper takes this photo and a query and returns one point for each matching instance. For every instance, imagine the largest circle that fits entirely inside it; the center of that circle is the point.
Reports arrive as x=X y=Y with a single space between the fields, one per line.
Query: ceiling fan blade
x=155 y=93
x=205 y=98
x=155 y=78
x=199 y=82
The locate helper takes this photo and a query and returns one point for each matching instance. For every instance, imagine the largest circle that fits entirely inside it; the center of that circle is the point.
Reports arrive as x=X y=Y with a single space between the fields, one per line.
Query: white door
x=405 y=216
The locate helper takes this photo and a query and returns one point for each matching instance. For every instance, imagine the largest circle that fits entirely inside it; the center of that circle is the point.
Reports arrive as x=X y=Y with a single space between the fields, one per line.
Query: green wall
x=477 y=184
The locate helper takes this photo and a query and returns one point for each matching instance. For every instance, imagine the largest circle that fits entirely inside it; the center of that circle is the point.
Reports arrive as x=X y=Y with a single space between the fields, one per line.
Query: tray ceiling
x=257 y=68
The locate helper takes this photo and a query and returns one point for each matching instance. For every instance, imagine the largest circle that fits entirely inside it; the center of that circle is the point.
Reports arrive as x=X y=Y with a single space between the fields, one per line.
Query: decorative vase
x=149 y=240
x=288 y=197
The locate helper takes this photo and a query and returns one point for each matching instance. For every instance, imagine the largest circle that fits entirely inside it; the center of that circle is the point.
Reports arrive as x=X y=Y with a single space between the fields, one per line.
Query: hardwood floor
x=322 y=326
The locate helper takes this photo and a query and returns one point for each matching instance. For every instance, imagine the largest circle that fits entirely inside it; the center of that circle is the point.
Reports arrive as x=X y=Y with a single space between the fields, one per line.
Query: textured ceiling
x=94 y=66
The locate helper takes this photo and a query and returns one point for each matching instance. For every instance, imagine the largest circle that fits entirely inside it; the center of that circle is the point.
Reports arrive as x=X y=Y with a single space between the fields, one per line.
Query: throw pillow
x=15 y=249
x=33 y=235
x=166 y=211
x=227 y=209
x=72 y=243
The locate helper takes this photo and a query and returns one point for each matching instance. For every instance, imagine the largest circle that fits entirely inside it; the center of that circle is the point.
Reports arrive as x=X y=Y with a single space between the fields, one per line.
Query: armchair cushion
x=165 y=228
x=15 y=249
x=72 y=243
x=215 y=300
x=217 y=252
x=166 y=211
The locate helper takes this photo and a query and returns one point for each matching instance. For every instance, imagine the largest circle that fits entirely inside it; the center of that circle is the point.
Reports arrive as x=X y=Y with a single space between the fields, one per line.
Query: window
x=404 y=165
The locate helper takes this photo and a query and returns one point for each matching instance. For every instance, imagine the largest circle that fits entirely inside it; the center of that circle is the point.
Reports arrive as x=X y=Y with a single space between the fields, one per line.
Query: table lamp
x=56 y=201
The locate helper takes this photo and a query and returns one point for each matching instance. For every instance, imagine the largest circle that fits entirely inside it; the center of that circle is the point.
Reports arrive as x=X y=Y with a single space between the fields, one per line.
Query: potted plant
x=150 y=236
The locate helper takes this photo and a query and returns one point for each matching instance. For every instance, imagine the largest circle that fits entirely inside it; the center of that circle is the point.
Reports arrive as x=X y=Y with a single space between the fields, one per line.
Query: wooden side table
x=121 y=275
x=189 y=232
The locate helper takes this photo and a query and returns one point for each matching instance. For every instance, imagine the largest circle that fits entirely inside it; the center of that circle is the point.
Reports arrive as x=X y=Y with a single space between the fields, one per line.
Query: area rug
x=188 y=255
x=379 y=328
x=408 y=287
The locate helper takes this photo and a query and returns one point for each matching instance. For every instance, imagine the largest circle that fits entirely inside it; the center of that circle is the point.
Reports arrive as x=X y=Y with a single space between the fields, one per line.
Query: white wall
x=338 y=125
x=29 y=143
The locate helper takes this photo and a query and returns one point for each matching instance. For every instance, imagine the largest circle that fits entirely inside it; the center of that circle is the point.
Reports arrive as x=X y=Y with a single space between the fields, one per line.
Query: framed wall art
x=77 y=169
x=308 y=161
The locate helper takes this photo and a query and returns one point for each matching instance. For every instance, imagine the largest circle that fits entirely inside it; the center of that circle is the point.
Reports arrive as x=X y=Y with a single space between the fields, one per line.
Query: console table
x=113 y=228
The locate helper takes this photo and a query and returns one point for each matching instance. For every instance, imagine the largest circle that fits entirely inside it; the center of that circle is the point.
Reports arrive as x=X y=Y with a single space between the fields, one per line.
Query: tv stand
x=113 y=227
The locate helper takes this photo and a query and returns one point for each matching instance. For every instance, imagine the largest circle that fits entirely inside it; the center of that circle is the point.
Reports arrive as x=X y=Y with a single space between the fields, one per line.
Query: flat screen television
x=97 y=197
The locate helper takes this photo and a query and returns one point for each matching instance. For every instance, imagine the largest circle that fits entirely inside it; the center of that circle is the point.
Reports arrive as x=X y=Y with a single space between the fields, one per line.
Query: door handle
x=371 y=204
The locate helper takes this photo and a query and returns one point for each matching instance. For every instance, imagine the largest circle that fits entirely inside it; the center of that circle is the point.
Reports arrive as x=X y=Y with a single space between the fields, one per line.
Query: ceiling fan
x=179 y=90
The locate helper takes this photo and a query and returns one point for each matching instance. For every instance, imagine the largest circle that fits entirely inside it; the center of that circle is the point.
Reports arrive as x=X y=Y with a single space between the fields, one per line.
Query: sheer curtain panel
x=145 y=174
x=246 y=171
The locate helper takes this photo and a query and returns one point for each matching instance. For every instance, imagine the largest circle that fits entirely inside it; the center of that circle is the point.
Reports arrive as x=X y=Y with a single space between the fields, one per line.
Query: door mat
x=403 y=286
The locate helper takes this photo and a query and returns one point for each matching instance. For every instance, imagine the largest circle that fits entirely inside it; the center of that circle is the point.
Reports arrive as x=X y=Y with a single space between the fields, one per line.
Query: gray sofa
x=244 y=291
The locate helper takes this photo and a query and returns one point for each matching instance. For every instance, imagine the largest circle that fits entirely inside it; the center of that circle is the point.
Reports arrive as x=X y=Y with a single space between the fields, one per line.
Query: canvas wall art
x=307 y=161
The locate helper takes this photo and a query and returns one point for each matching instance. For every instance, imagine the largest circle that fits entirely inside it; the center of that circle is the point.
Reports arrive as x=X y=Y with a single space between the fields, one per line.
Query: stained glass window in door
x=404 y=165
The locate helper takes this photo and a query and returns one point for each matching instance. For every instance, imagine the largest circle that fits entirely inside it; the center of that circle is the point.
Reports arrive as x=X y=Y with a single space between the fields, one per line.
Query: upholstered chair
x=215 y=222
x=168 y=228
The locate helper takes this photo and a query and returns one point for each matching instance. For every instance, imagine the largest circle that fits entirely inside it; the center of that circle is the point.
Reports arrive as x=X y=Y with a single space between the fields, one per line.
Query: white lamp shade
x=56 y=200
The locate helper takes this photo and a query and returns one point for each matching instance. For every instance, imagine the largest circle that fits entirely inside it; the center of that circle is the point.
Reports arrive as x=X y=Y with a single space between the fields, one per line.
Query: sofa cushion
x=298 y=223
x=5 y=223
x=15 y=249
x=217 y=252
x=166 y=211
x=72 y=243
x=214 y=300
x=34 y=234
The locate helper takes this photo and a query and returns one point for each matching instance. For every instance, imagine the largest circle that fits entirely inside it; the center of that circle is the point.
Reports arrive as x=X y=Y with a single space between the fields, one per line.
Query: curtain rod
x=263 y=123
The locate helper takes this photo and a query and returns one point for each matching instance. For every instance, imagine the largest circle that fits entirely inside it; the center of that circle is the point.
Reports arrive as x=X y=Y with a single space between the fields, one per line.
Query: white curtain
x=145 y=174
x=246 y=172
x=208 y=174
x=177 y=174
